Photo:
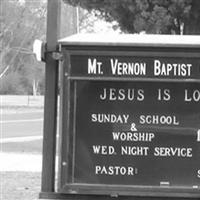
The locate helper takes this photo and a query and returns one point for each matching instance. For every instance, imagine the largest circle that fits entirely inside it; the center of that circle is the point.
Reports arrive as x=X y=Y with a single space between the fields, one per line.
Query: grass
x=20 y=109
x=20 y=185
x=34 y=147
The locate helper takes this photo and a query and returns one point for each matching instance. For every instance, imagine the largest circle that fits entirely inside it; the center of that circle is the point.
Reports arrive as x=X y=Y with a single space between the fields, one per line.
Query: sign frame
x=68 y=117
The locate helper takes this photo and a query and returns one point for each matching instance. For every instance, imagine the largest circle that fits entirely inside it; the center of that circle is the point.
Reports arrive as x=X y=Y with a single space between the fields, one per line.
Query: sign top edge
x=132 y=40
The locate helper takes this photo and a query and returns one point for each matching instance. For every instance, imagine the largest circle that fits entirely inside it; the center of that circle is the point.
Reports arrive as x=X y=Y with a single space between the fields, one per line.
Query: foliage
x=90 y=22
x=22 y=22
x=151 y=16
x=12 y=84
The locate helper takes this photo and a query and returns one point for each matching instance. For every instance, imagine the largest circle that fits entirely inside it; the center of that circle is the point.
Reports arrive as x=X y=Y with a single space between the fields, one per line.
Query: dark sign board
x=127 y=134
x=135 y=67
x=131 y=123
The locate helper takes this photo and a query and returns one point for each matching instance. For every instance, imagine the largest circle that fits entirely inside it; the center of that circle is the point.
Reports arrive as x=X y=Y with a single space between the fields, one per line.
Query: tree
x=89 y=22
x=151 y=16
x=21 y=23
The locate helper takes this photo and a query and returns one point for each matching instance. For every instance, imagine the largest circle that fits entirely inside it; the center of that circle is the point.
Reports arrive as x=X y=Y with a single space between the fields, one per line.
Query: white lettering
x=135 y=137
x=113 y=94
x=171 y=151
x=133 y=127
x=198 y=135
x=109 y=118
x=103 y=150
x=172 y=69
x=115 y=170
x=164 y=95
x=94 y=118
x=198 y=173
x=134 y=150
x=157 y=67
x=130 y=68
x=156 y=119
x=192 y=96
x=94 y=67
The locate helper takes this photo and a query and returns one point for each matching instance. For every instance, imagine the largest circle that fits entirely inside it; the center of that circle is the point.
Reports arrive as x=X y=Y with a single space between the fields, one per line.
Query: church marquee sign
x=130 y=119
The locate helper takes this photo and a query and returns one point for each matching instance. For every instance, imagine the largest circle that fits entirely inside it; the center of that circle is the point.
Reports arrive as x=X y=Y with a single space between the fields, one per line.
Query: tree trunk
x=35 y=87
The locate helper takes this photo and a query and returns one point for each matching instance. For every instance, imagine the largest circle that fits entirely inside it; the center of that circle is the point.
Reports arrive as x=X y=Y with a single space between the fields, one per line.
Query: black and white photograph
x=100 y=100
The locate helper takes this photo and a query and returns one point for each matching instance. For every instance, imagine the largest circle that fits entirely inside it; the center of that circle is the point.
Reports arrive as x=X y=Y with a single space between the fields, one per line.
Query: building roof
x=132 y=40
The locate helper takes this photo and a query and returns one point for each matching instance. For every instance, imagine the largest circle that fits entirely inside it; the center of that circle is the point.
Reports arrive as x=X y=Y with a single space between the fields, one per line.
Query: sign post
x=51 y=88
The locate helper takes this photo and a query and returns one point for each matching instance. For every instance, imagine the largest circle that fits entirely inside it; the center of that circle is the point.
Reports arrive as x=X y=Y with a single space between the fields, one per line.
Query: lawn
x=34 y=147
x=20 y=185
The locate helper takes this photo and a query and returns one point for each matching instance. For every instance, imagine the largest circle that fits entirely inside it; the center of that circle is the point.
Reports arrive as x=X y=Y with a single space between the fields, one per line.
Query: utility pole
x=51 y=92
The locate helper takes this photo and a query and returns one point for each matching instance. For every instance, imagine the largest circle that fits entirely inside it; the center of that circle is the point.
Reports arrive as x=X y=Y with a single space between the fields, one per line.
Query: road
x=22 y=132
x=22 y=124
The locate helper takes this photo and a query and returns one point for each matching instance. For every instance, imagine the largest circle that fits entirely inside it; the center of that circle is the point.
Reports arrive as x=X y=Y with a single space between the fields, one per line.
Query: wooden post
x=51 y=88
